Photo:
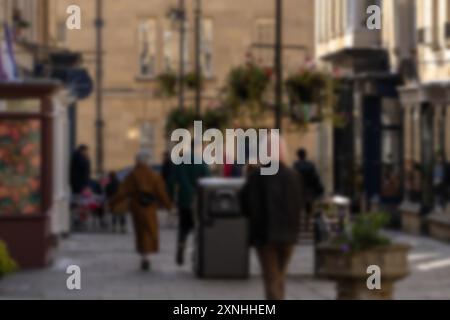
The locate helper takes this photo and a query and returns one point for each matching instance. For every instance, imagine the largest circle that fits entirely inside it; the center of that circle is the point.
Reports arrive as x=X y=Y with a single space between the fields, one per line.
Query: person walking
x=273 y=204
x=79 y=180
x=182 y=186
x=118 y=216
x=166 y=166
x=80 y=170
x=145 y=190
x=313 y=188
x=439 y=182
x=98 y=210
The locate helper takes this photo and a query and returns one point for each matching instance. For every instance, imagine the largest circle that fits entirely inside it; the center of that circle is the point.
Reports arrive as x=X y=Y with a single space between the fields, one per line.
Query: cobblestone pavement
x=110 y=271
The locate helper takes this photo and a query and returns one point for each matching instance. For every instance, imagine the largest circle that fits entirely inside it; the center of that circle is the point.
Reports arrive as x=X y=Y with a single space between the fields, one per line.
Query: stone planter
x=349 y=270
x=411 y=218
x=439 y=226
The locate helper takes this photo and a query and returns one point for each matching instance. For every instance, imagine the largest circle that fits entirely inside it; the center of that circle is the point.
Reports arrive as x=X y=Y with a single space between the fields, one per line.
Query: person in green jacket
x=182 y=186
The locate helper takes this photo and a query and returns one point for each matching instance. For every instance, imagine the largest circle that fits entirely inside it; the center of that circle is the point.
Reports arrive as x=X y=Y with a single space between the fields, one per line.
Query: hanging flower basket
x=180 y=119
x=248 y=83
x=167 y=83
x=307 y=86
x=216 y=119
x=193 y=81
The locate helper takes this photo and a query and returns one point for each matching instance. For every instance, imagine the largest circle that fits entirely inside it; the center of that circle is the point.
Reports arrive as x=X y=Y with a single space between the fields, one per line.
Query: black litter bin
x=221 y=237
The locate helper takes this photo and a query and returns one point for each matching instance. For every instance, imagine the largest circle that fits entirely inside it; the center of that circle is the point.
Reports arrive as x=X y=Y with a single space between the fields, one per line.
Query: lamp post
x=99 y=122
x=198 y=66
x=278 y=63
x=178 y=15
x=182 y=20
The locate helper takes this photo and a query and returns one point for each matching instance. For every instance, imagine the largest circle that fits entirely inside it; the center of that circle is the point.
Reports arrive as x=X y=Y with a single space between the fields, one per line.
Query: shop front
x=427 y=154
x=27 y=170
x=368 y=157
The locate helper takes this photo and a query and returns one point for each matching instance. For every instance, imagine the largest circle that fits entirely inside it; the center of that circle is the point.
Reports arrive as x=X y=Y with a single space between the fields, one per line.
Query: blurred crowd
x=274 y=204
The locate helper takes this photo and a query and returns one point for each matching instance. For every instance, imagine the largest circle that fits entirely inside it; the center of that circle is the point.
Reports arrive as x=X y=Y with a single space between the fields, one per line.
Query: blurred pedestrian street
x=110 y=270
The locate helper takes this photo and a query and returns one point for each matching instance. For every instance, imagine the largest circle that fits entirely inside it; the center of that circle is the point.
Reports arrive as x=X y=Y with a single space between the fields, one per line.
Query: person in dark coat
x=80 y=170
x=182 y=186
x=166 y=167
x=313 y=188
x=273 y=205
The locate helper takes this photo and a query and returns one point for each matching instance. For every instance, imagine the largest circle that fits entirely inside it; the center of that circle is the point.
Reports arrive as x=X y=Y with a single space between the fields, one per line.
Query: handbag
x=146 y=199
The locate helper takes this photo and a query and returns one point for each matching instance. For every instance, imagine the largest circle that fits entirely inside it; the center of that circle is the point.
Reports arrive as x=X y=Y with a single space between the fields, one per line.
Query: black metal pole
x=278 y=63
x=99 y=122
x=182 y=20
x=198 y=66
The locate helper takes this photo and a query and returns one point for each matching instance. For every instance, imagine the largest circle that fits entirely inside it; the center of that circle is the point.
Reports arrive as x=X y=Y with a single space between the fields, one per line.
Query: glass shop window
x=391 y=149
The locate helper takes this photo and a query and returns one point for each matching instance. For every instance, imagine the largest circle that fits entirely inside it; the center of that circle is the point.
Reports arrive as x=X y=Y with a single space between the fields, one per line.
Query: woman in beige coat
x=145 y=190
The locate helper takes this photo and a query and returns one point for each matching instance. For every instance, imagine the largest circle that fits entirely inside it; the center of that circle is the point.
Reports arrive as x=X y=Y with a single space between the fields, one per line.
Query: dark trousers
x=274 y=261
x=185 y=224
x=118 y=219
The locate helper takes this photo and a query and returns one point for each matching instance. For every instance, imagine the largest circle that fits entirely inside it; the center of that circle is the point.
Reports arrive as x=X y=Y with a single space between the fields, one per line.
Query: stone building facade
x=141 y=42
x=372 y=63
x=427 y=122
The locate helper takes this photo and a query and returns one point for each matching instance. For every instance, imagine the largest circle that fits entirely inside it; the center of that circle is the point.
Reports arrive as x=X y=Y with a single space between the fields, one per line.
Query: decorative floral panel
x=20 y=167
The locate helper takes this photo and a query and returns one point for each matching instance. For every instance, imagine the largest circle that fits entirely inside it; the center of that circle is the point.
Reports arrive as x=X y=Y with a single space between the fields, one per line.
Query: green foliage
x=365 y=233
x=247 y=83
x=184 y=119
x=306 y=86
x=312 y=89
x=7 y=264
x=167 y=83
x=193 y=81
x=215 y=119
x=180 y=119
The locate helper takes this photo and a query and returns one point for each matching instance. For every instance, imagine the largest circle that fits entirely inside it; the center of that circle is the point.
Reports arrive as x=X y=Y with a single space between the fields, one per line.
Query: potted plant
x=7 y=264
x=167 y=83
x=346 y=258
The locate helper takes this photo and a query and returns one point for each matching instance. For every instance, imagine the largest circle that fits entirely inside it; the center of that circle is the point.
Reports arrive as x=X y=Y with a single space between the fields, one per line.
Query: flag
x=3 y=75
x=8 y=66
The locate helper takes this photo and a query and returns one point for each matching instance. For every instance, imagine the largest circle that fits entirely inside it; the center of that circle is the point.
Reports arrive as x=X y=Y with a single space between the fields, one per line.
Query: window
x=391 y=149
x=172 y=46
x=447 y=24
x=207 y=48
x=321 y=23
x=265 y=36
x=147 y=139
x=147 y=48
x=435 y=24
x=343 y=16
x=61 y=36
